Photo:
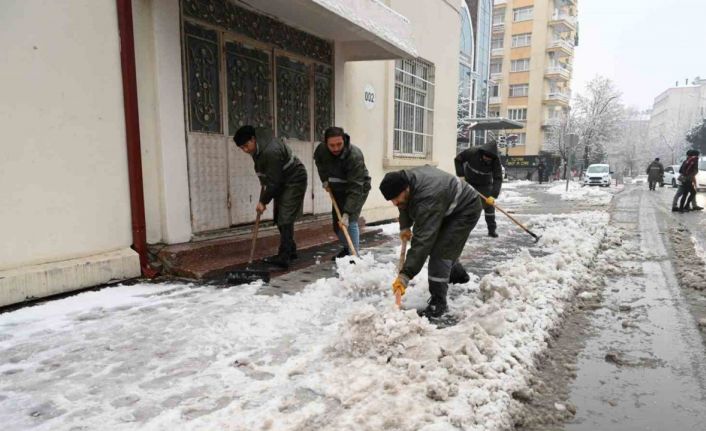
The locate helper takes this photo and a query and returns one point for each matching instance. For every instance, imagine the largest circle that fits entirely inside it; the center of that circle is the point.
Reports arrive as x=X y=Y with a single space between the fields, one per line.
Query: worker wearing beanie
x=442 y=210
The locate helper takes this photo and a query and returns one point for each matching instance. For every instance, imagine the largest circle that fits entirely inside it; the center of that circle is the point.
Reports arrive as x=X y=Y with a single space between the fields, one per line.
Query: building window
x=497 y=42
x=517 y=114
x=522 y=14
x=496 y=66
x=493 y=113
x=521 y=139
x=521 y=65
x=519 y=90
x=499 y=16
x=495 y=90
x=524 y=39
x=414 y=114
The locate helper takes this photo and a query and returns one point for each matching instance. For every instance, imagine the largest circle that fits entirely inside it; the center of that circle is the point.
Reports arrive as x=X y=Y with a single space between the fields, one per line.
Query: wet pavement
x=633 y=358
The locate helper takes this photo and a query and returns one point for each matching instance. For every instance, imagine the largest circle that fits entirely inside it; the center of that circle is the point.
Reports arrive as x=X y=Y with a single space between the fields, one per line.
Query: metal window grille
x=414 y=113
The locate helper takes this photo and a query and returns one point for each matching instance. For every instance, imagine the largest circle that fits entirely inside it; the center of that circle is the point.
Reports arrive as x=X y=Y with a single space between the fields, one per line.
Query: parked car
x=640 y=179
x=671 y=173
x=598 y=175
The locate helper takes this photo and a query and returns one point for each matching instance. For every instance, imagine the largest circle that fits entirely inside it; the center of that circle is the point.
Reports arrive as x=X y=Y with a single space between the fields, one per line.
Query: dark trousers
x=489 y=210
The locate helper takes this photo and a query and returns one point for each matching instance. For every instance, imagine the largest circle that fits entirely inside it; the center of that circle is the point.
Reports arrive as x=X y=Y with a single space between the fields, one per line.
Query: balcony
x=499 y=2
x=496 y=76
x=498 y=27
x=494 y=100
x=558 y=72
x=562 y=47
x=558 y=97
x=563 y=22
x=497 y=52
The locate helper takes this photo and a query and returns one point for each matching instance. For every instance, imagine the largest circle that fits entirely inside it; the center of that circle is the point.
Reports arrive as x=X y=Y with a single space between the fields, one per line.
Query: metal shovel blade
x=245 y=276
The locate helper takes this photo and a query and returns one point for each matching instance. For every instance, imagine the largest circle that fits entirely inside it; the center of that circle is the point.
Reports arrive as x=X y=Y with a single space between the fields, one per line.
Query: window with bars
x=519 y=40
x=414 y=113
x=521 y=65
x=517 y=114
x=497 y=41
x=519 y=90
x=496 y=66
x=522 y=13
x=498 y=16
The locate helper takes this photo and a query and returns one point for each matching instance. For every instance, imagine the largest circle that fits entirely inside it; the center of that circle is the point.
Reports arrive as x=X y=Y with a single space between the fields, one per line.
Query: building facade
x=674 y=112
x=532 y=50
x=203 y=68
x=474 y=69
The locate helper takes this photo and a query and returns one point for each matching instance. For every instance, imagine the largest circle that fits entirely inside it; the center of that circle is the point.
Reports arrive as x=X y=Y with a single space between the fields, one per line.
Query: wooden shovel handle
x=403 y=255
x=254 y=238
x=352 y=249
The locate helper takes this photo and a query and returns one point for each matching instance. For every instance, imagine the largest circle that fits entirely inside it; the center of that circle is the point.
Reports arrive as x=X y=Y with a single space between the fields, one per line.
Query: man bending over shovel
x=443 y=210
x=283 y=179
x=342 y=170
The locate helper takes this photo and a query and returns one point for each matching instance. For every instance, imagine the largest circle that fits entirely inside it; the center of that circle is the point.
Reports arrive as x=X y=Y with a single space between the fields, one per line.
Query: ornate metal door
x=249 y=101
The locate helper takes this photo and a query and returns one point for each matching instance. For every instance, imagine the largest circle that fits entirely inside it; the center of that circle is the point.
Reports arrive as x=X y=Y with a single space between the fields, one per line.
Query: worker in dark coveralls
x=342 y=171
x=481 y=168
x=283 y=179
x=442 y=210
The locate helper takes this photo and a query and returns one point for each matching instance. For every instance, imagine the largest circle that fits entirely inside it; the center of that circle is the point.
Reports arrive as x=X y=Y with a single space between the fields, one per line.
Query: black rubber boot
x=458 y=274
x=436 y=308
x=286 y=247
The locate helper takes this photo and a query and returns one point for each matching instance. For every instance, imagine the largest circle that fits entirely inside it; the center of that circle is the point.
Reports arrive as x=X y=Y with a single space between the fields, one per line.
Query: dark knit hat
x=243 y=135
x=692 y=152
x=393 y=184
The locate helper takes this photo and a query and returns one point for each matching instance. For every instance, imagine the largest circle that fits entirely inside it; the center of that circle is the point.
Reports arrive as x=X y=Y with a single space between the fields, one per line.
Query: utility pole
x=573 y=143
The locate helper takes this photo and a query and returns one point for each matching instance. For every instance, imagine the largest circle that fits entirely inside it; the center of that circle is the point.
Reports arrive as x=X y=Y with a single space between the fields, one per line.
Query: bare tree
x=633 y=150
x=557 y=140
x=599 y=114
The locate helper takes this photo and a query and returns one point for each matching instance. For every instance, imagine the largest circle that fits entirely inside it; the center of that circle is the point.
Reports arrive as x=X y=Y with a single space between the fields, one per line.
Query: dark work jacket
x=275 y=165
x=690 y=167
x=655 y=170
x=434 y=196
x=478 y=173
x=346 y=174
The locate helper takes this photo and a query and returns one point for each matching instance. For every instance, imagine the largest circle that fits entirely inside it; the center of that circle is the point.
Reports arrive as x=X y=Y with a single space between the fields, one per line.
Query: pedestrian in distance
x=442 y=210
x=655 y=172
x=540 y=171
x=342 y=171
x=481 y=168
x=687 y=176
x=283 y=179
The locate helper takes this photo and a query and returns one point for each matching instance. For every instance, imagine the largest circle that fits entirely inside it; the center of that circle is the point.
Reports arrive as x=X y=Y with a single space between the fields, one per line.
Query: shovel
x=343 y=228
x=534 y=235
x=247 y=275
x=403 y=254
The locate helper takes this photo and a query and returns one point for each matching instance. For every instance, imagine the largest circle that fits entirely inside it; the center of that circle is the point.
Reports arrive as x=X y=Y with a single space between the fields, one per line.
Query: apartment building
x=532 y=51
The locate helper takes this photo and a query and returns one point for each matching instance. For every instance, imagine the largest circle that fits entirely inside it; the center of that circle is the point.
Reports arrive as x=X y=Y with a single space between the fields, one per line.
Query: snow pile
x=391 y=229
x=336 y=356
x=585 y=194
x=519 y=183
x=511 y=197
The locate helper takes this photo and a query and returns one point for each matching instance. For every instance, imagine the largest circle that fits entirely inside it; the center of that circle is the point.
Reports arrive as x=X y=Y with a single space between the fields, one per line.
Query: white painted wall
x=63 y=170
x=436 y=27
x=162 y=127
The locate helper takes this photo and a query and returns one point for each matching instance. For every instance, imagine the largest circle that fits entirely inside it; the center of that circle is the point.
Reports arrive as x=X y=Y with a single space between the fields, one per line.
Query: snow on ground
x=336 y=356
x=518 y=183
x=584 y=194
x=511 y=197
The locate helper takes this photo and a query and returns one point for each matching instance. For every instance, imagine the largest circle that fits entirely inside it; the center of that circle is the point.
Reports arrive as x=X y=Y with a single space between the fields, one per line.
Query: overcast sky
x=644 y=46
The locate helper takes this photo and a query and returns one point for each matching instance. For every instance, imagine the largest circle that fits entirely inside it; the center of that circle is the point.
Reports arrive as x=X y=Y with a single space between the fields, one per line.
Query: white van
x=597 y=175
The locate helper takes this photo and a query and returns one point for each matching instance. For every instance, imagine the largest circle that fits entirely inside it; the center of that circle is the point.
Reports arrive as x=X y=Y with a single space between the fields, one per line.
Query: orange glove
x=490 y=200
x=406 y=234
x=400 y=284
